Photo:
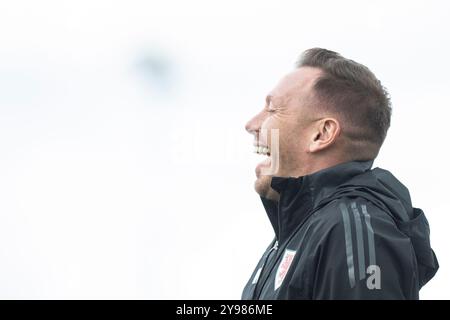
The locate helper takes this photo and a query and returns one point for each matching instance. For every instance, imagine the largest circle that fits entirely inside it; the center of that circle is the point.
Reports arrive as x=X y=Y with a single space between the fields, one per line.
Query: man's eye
x=270 y=108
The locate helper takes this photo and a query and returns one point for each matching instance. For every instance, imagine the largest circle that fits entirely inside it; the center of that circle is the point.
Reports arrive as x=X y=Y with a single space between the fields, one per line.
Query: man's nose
x=252 y=126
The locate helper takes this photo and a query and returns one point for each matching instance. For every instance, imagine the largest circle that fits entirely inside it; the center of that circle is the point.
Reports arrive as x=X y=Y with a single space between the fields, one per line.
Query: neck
x=315 y=164
x=308 y=167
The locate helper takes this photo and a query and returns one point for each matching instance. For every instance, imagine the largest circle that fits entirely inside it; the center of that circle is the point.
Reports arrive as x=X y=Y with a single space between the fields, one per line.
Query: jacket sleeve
x=359 y=253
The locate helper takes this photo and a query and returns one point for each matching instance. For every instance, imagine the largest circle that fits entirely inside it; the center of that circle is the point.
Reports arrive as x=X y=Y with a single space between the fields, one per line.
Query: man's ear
x=325 y=133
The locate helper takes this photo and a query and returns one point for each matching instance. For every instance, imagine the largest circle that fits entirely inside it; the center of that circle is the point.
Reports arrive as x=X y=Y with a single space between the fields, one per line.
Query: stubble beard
x=263 y=188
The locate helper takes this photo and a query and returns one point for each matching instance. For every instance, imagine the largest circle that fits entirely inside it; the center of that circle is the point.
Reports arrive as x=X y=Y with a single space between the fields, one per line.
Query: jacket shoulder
x=351 y=210
x=351 y=237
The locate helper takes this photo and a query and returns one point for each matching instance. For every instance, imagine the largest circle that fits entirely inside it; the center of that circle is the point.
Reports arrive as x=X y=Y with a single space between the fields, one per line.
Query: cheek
x=266 y=130
x=292 y=137
x=292 y=141
x=270 y=123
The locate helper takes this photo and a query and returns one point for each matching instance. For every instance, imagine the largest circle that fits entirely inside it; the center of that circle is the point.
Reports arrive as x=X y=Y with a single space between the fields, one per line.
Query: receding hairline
x=297 y=81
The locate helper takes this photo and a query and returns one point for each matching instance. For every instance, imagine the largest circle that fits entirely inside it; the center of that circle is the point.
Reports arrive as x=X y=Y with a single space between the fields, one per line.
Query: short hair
x=352 y=92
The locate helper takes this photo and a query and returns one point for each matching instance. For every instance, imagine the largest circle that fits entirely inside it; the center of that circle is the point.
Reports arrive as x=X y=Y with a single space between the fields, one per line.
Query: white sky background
x=125 y=170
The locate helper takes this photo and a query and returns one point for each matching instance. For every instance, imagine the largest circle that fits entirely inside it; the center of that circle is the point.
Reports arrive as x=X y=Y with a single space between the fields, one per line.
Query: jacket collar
x=298 y=196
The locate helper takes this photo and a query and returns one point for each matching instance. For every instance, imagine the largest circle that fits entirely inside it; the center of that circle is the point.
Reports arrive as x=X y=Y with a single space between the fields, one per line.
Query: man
x=342 y=229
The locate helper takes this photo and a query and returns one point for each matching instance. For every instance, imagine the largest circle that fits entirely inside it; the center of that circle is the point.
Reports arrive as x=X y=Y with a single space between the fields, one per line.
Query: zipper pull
x=275 y=246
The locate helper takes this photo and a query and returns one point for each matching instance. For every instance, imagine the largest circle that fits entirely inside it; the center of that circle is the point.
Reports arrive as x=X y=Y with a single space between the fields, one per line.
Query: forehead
x=297 y=83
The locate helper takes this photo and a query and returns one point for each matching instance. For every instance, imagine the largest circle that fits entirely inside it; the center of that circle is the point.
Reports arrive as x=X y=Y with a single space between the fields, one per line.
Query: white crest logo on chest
x=283 y=267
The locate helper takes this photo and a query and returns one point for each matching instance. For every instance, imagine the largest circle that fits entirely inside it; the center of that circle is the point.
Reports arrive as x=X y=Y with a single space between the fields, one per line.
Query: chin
x=263 y=188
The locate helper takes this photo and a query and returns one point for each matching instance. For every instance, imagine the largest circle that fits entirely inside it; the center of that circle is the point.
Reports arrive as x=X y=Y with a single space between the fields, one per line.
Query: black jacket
x=345 y=232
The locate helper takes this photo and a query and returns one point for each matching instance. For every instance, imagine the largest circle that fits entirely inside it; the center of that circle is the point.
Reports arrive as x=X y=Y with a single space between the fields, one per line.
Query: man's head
x=327 y=111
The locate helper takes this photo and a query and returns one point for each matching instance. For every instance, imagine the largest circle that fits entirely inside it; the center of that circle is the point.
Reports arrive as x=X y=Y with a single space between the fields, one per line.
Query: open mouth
x=263 y=150
x=266 y=163
x=270 y=165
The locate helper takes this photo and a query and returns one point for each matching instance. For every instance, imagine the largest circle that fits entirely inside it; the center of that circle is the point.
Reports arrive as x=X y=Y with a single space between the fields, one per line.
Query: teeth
x=261 y=150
